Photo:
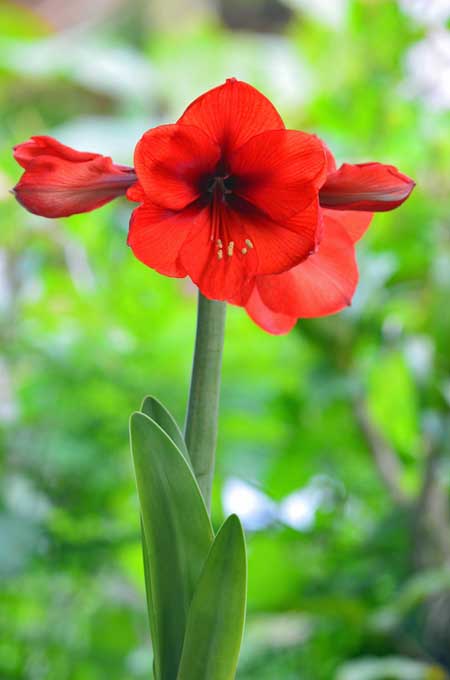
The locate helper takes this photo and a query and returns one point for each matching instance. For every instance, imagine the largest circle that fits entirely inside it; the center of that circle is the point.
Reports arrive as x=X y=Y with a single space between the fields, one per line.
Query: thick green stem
x=203 y=406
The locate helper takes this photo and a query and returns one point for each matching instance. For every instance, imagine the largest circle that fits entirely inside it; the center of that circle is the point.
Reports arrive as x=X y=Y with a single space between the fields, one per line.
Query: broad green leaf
x=153 y=408
x=216 y=617
x=149 y=598
x=178 y=535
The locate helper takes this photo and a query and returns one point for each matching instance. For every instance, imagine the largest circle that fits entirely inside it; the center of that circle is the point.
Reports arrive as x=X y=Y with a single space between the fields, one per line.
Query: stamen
x=230 y=248
x=219 y=243
x=219 y=254
x=244 y=251
x=248 y=243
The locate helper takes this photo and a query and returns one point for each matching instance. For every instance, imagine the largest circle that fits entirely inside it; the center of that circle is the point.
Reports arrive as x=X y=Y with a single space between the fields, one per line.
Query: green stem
x=203 y=406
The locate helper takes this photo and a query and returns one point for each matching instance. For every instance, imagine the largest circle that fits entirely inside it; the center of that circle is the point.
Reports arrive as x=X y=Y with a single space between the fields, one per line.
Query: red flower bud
x=59 y=181
x=368 y=186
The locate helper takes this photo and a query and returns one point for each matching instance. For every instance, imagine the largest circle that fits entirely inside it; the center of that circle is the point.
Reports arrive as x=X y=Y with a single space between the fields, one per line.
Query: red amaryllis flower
x=325 y=282
x=252 y=212
x=59 y=181
x=227 y=192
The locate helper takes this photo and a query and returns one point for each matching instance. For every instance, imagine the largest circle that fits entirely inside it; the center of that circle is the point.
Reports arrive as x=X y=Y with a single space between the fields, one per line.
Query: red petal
x=323 y=284
x=279 y=171
x=266 y=318
x=221 y=251
x=232 y=113
x=220 y=272
x=281 y=245
x=42 y=145
x=136 y=193
x=52 y=186
x=157 y=234
x=171 y=161
x=354 y=222
x=331 y=162
x=369 y=186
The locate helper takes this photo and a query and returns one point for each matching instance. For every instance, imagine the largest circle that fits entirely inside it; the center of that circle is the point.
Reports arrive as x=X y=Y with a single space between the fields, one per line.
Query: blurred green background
x=334 y=439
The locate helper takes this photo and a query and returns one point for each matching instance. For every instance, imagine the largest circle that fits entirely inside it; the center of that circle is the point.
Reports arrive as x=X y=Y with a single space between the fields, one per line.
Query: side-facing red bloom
x=227 y=192
x=366 y=186
x=321 y=285
x=59 y=181
x=255 y=214
x=326 y=281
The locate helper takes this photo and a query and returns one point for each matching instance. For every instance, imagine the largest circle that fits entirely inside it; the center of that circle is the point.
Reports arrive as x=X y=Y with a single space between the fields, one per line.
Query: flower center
x=220 y=186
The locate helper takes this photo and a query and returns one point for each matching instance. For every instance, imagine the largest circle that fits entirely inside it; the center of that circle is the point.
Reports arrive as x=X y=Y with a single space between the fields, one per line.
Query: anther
x=230 y=248
x=248 y=243
x=219 y=254
x=244 y=251
x=219 y=243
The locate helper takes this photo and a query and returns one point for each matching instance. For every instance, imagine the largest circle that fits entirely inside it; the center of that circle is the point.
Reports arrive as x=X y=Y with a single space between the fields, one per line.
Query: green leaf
x=153 y=408
x=216 y=618
x=178 y=535
x=149 y=598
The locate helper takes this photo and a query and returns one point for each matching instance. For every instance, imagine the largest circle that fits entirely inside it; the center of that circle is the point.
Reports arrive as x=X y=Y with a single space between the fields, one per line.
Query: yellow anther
x=219 y=254
x=230 y=248
x=244 y=251
x=248 y=243
x=219 y=242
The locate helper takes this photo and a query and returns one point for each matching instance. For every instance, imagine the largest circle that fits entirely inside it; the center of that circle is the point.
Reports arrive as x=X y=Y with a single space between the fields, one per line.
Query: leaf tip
x=137 y=419
x=148 y=400
x=234 y=521
x=232 y=527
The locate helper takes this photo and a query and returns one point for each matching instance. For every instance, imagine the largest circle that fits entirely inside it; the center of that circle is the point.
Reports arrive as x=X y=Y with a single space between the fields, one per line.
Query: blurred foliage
x=351 y=411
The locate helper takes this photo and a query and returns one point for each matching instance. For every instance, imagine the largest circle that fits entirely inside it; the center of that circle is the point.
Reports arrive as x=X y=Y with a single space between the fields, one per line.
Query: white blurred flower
x=330 y=12
x=257 y=511
x=23 y=499
x=253 y=507
x=9 y=408
x=290 y=81
x=375 y=668
x=427 y=11
x=428 y=70
x=116 y=71
x=440 y=270
x=419 y=352
x=5 y=186
x=6 y=292
x=298 y=510
x=112 y=136
x=378 y=269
